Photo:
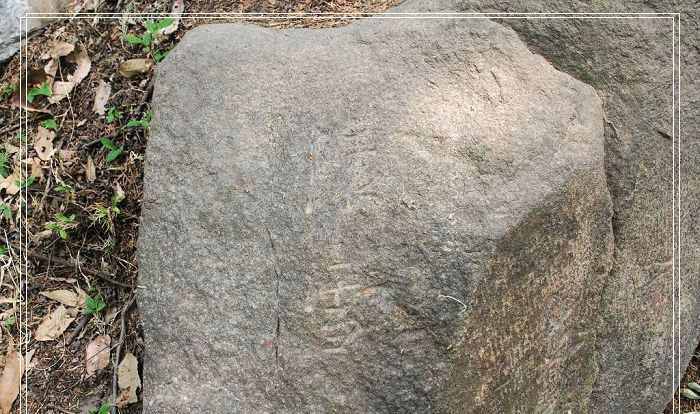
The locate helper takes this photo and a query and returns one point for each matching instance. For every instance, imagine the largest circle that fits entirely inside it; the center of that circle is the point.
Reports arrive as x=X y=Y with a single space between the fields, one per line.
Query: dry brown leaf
x=11 y=379
x=83 y=62
x=11 y=149
x=42 y=235
x=175 y=13
x=111 y=314
x=101 y=97
x=82 y=296
x=60 y=90
x=90 y=174
x=59 y=49
x=128 y=380
x=133 y=67
x=29 y=363
x=67 y=155
x=43 y=143
x=50 y=69
x=97 y=354
x=64 y=296
x=89 y=5
x=55 y=323
x=9 y=184
x=37 y=172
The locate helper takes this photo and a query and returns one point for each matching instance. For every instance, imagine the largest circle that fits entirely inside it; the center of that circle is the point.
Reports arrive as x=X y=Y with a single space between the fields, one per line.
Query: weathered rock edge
x=258 y=223
x=651 y=330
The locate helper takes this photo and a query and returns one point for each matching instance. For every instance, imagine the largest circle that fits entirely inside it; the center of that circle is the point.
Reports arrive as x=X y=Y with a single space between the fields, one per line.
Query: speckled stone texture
x=630 y=63
x=10 y=13
x=394 y=216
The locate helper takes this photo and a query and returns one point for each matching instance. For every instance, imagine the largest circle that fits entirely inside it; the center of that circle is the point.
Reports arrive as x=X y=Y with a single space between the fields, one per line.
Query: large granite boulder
x=630 y=63
x=394 y=216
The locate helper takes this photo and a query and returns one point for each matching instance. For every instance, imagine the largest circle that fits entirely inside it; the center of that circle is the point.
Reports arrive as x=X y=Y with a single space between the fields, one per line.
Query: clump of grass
x=106 y=215
x=61 y=225
x=113 y=114
x=146 y=40
x=114 y=152
x=144 y=122
x=94 y=305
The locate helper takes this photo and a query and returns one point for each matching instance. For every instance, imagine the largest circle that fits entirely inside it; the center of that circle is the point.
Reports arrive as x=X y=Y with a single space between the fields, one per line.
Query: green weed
x=26 y=183
x=113 y=115
x=50 y=124
x=4 y=164
x=104 y=409
x=61 y=225
x=144 y=122
x=5 y=211
x=94 y=305
x=114 y=151
x=7 y=91
x=43 y=90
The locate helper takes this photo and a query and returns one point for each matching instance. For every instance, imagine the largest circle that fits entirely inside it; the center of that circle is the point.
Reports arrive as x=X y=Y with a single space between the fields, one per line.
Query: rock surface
x=12 y=10
x=393 y=216
x=629 y=62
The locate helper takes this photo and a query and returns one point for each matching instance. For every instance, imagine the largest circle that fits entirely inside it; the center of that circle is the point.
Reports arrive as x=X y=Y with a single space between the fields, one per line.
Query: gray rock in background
x=12 y=10
x=352 y=219
x=629 y=62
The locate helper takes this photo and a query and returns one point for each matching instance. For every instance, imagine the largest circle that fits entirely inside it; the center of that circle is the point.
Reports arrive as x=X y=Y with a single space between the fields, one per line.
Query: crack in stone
x=277 y=295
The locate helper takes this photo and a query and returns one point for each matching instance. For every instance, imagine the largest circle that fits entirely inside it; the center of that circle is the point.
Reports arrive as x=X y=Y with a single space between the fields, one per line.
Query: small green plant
x=152 y=29
x=104 y=409
x=113 y=114
x=7 y=91
x=64 y=188
x=159 y=55
x=9 y=322
x=3 y=250
x=49 y=124
x=146 y=40
x=42 y=90
x=114 y=151
x=104 y=215
x=144 y=122
x=61 y=224
x=5 y=211
x=21 y=137
x=4 y=164
x=93 y=305
x=26 y=183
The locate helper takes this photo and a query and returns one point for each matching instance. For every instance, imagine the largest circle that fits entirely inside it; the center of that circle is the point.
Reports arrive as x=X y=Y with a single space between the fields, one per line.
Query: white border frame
x=677 y=370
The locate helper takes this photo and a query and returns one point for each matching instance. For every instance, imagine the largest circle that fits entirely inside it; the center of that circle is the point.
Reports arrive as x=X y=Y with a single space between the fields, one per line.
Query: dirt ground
x=95 y=188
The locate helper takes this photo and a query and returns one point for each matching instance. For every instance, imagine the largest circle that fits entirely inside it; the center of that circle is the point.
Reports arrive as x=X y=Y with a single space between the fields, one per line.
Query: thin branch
x=61 y=262
x=117 y=355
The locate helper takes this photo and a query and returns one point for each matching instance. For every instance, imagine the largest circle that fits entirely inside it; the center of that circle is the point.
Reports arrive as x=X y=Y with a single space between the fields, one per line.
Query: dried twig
x=84 y=319
x=61 y=262
x=117 y=355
